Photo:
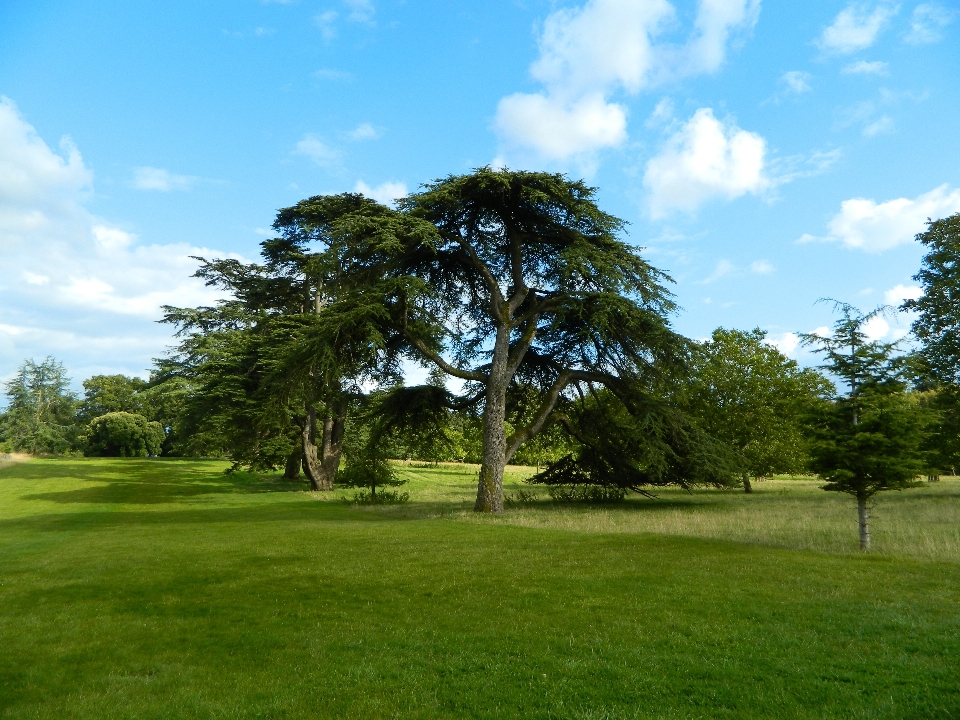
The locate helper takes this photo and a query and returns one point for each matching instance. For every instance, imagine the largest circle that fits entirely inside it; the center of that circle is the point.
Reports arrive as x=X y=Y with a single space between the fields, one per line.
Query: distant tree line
x=546 y=340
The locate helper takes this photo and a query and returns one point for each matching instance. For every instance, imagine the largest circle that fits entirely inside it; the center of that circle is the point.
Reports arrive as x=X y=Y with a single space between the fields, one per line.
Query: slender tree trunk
x=864 y=517
x=292 y=469
x=490 y=484
x=747 y=486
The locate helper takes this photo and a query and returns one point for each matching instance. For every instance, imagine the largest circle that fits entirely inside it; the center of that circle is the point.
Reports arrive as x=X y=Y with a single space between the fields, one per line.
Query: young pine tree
x=869 y=439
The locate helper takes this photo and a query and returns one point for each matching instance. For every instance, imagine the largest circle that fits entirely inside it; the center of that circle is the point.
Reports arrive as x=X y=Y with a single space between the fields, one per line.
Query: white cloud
x=35 y=279
x=705 y=159
x=363 y=131
x=761 y=267
x=898 y=293
x=605 y=46
x=662 y=113
x=361 y=11
x=874 y=227
x=151 y=178
x=862 y=67
x=81 y=271
x=785 y=343
x=927 y=23
x=880 y=126
x=558 y=130
x=318 y=151
x=723 y=268
x=385 y=193
x=876 y=328
x=796 y=81
x=856 y=27
x=326 y=21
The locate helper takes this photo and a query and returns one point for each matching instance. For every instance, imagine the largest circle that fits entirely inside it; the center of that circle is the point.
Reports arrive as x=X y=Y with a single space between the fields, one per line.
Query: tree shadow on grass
x=148 y=482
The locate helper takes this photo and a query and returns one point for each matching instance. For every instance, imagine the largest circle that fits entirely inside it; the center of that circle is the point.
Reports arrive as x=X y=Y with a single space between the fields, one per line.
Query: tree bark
x=292 y=469
x=747 y=485
x=864 y=517
x=490 y=482
x=321 y=462
x=311 y=460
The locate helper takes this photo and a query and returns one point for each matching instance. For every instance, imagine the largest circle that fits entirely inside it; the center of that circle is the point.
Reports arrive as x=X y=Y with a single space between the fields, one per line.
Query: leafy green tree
x=515 y=283
x=273 y=374
x=937 y=325
x=747 y=394
x=123 y=434
x=112 y=393
x=40 y=409
x=871 y=439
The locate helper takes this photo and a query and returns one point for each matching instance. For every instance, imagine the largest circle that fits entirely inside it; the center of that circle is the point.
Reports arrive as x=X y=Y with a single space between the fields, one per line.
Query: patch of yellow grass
x=8 y=459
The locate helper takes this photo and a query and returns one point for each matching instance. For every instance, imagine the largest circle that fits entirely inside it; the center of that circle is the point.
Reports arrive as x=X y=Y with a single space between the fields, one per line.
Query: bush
x=123 y=434
x=521 y=498
x=586 y=493
x=384 y=497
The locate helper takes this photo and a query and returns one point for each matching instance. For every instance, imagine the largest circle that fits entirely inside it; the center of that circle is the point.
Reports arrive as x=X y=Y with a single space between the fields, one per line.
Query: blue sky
x=765 y=153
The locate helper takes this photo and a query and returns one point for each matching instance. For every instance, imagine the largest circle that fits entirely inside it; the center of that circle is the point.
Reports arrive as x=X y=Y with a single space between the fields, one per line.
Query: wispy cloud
x=317 y=150
x=796 y=81
x=927 y=23
x=151 y=178
x=363 y=131
x=856 y=27
x=862 y=67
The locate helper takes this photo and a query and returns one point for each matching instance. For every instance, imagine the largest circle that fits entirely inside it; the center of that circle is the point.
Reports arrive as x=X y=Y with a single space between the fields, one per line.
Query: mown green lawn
x=149 y=589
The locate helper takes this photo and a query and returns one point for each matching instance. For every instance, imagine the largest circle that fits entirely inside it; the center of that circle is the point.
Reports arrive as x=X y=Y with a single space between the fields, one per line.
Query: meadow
x=165 y=588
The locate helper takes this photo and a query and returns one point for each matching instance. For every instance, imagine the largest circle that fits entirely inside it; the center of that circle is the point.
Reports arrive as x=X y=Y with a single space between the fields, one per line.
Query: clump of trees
x=123 y=434
x=516 y=289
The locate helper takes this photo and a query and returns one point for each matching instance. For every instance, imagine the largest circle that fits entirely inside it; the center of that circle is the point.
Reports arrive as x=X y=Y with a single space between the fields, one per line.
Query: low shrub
x=521 y=498
x=586 y=493
x=383 y=497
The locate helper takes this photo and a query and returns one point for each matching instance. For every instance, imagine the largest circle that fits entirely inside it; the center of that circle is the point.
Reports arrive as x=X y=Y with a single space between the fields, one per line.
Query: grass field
x=160 y=588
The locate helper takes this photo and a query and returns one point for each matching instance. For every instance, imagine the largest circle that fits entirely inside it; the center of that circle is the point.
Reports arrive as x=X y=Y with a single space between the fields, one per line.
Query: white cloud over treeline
x=867 y=225
x=64 y=267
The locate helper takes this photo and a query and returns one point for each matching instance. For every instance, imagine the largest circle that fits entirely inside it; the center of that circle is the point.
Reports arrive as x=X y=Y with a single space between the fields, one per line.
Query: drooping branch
x=440 y=362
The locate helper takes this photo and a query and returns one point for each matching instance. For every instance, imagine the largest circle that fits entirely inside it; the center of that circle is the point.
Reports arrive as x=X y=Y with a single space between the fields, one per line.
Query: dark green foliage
x=518 y=284
x=644 y=444
x=744 y=392
x=586 y=493
x=882 y=451
x=123 y=434
x=937 y=324
x=40 y=414
x=871 y=439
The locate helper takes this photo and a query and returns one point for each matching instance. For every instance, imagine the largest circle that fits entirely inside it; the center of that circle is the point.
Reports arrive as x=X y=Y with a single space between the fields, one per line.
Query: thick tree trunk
x=321 y=462
x=292 y=469
x=863 y=517
x=311 y=459
x=747 y=486
x=490 y=483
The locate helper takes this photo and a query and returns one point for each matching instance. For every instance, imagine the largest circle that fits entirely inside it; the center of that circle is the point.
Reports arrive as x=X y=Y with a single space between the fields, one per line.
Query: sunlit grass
x=165 y=588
